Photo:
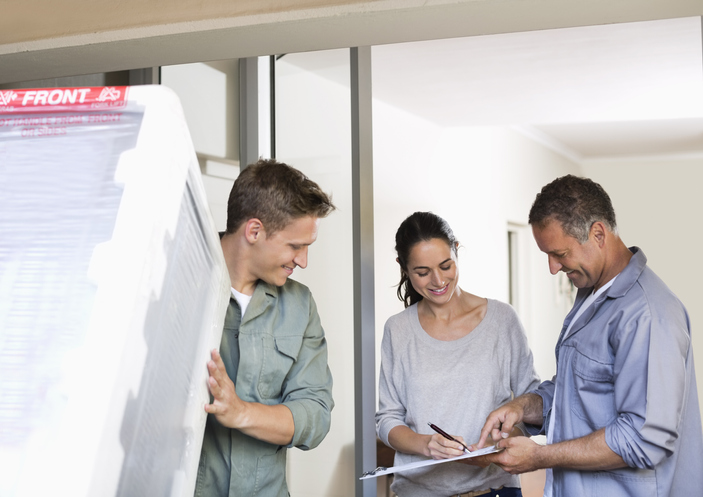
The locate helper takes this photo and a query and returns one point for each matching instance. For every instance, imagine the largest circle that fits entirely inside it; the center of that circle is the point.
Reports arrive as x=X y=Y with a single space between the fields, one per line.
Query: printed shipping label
x=63 y=99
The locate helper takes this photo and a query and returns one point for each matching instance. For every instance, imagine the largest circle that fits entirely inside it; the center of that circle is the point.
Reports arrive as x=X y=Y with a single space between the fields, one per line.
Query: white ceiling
x=592 y=92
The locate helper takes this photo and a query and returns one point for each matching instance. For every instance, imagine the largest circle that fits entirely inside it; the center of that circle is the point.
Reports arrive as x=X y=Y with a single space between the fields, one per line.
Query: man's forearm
x=273 y=424
x=532 y=407
x=589 y=453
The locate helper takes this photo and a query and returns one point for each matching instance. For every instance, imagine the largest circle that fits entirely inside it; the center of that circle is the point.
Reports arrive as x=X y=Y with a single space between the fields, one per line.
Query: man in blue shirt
x=271 y=386
x=621 y=415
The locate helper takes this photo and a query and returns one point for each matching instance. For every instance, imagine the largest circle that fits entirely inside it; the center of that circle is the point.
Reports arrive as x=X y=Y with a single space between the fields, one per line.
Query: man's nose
x=554 y=266
x=301 y=258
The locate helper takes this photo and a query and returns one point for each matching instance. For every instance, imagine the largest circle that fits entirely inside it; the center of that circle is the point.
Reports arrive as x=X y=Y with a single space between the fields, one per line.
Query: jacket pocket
x=627 y=481
x=279 y=355
x=593 y=398
x=271 y=475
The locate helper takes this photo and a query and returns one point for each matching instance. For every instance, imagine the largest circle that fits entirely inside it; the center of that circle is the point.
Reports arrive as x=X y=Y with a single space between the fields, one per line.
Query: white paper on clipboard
x=428 y=462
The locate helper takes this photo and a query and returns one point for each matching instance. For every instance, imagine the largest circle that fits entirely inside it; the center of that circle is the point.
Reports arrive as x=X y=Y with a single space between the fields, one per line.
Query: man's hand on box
x=226 y=406
x=271 y=423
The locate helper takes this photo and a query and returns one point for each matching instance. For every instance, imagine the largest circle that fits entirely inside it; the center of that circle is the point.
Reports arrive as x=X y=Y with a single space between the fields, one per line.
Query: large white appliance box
x=113 y=290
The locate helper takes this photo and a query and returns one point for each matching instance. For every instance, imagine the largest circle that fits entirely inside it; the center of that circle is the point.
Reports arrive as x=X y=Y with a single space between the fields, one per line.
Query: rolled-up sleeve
x=307 y=390
x=546 y=391
x=650 y=384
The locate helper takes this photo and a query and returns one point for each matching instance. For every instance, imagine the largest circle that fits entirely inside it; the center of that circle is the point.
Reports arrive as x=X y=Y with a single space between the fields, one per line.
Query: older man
x=621 y=415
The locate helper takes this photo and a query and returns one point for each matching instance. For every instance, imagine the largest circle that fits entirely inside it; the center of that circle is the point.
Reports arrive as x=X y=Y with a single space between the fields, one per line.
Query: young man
x=270 y=381
x=621 y=415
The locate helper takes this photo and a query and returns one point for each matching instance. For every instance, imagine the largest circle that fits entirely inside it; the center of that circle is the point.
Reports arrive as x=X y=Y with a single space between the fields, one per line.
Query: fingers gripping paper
x=113 y=289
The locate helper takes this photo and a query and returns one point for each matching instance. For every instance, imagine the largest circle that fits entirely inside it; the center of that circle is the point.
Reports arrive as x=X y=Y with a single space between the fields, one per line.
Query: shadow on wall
x=345 y=461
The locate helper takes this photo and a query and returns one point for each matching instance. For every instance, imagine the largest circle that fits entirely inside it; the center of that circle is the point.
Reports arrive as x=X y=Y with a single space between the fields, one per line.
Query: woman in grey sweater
x=449 y=358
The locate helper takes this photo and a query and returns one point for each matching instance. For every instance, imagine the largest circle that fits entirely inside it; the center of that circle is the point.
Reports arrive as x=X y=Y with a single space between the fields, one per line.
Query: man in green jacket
x=270 y=382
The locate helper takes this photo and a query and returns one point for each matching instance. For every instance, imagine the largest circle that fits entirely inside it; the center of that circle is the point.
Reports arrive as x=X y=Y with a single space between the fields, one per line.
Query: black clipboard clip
x=374 y=471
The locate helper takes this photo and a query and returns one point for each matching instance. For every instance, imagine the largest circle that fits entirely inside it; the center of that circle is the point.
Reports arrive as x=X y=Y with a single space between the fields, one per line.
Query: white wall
x=208 y=94
x=313 y=134
x=658 y=203
x=479 y=179
x=209 y=97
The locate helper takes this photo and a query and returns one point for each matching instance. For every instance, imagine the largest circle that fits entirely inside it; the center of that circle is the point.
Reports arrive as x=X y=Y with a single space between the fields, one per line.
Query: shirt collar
x=264 y=294
x=628 y=276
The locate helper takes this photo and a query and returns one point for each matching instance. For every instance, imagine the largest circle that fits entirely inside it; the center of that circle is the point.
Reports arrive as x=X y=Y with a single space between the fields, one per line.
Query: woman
x=449 y=358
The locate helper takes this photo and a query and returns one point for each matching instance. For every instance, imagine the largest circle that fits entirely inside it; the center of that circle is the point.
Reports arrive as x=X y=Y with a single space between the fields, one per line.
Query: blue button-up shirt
x=627 y=366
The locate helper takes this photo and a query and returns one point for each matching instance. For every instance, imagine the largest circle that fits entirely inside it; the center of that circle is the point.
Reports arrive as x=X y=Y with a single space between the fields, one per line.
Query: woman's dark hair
x=418 y=227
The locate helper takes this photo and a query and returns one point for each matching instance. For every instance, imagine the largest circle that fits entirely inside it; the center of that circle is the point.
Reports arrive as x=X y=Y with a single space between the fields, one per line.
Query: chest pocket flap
x=289 y=346
x=277 y=363
x=591 y=369
x=592 y=396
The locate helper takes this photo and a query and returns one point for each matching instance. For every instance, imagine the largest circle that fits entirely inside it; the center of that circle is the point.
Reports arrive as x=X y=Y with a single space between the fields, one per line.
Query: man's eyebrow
x=426 y=267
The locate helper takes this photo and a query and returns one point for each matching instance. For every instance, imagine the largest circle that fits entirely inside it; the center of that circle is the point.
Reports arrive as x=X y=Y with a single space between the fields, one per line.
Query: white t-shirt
x=242 y=300
x=550 y=432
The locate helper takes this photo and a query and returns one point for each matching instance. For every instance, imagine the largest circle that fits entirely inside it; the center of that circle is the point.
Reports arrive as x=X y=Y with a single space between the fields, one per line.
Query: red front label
x=63 y=99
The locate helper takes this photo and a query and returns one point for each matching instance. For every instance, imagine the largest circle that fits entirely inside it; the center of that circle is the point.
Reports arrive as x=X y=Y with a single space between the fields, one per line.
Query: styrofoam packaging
x=113 y=290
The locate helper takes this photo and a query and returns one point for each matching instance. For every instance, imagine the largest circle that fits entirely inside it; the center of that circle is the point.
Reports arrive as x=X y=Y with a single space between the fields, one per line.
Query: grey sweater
x=455 y=385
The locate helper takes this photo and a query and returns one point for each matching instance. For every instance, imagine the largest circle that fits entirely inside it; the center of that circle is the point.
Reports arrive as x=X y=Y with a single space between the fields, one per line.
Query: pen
x=447 y=436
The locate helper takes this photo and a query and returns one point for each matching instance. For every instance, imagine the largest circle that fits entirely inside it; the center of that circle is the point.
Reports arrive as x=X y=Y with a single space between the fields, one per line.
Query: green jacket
x=282 y=360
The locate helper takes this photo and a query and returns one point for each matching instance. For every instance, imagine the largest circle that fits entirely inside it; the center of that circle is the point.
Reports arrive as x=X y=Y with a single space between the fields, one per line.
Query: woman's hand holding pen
x=434 y=446
x=439 y=447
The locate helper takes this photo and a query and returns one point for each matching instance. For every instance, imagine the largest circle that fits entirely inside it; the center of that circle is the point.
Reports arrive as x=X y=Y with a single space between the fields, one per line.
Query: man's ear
x=598 y=232
x=253 y=230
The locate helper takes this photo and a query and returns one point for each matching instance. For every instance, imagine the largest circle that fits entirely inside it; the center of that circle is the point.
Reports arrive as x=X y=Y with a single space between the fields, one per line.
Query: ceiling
x=617 y=90
x=43 y=39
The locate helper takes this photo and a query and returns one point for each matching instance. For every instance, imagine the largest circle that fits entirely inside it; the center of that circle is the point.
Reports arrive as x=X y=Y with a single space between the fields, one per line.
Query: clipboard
x=380 y=471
